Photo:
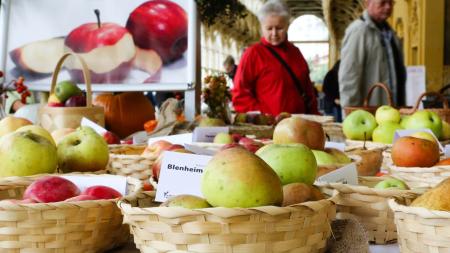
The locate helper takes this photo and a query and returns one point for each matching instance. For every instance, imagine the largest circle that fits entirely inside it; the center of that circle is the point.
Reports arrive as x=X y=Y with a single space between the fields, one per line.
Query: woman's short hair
x=274 y=7
x=229 y=61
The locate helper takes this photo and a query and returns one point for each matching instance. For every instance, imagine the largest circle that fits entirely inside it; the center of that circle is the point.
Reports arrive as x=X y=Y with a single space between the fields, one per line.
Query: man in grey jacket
x=371 y=53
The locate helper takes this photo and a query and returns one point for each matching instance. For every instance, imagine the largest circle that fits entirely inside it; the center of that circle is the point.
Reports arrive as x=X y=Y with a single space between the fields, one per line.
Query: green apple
x=37 y=130
x=386 y=113
x=340 y=156
x=236 y=177
x=358 y=123
x=66 y=89
x=25 y=154
x=83 y=150
x=186 y=201
x=292 y=162
x=223 y=138
x=323 y=158
x=403 y=121
x=385 y=132
x=445 y=130
x=211 y=122
x=391 y=183
x=10 y=124
x=425 y=119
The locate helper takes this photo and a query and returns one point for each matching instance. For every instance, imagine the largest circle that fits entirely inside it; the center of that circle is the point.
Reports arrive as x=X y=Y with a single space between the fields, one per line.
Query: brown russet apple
x=10 y=124
x=410 y=151
x=295 y=193
x=299 y=130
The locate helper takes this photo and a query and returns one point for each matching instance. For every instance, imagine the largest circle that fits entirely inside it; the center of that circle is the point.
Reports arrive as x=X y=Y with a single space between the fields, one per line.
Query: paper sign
x=447 y=150
x=408 y=132
x=199 y=150
x=119 y=183
x=180 y=174
x=416 y=77
x=97 y=128
x=346 y=175
x=207 y=134
x=174 y=139
x=337 y=145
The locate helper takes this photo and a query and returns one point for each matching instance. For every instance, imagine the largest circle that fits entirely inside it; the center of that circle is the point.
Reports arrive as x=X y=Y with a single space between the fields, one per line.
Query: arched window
x=310 y=34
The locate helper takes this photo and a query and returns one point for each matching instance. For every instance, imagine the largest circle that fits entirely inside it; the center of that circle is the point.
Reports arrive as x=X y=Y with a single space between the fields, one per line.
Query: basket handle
x=382 y=86
x=431 y=93
x=443 y=89
x=86 y=76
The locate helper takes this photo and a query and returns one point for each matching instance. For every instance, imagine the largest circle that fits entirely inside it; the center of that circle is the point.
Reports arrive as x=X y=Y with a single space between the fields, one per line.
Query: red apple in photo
x=51 y=189
x=111 y=138
x=101 y=192
x=148 y=60
x=107 y=48
x=160 y=25
x=38 y=57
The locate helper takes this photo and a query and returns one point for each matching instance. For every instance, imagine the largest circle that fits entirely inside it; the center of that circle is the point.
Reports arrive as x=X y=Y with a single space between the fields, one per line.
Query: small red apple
x=51 y=189
x=155 y=148
x=160 y=25
x=76 y=101
x=101 y=192
x=236 y=137
x=107 y=48
x=111 y=138
x=230 y=145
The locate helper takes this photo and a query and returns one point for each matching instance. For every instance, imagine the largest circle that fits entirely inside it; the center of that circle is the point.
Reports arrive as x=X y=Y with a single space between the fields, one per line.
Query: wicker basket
x=317 y=118
x=421 y=230
x=334 y=131
x=52 y=118
x=126 y=160
x=444 y=112
x=365 y=105
x=250 y=129
x=78 y=227
x=298 y=228
x=369 y=206
x=417 y=177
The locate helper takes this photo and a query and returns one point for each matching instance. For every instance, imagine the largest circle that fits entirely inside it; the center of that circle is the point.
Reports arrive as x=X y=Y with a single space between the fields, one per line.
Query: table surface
x=390 y=248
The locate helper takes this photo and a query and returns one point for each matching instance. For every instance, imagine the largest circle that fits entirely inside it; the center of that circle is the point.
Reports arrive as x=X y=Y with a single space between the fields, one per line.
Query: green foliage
x=227 y=11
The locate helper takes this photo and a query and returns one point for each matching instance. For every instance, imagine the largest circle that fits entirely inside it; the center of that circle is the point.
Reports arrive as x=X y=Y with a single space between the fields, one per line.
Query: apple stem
x=365 y=139
x=97 y=13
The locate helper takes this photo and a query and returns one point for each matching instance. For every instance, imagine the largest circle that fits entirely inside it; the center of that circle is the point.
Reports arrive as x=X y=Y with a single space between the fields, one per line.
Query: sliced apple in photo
x=107 y=48
x=39 y=56
x=147 y=60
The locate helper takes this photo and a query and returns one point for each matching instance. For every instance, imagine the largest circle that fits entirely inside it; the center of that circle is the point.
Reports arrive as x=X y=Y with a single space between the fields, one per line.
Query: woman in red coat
x=263 y=82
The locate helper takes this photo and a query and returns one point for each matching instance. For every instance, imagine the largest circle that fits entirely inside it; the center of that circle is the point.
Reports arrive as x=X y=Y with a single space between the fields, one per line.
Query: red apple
x=160 y=25
x=101 y=192
x=76 y=101
x=111 y=138
x=155 y=148
x=51 y=189
x=81 y=198
x=236 y=137
x=231 y=145
x=38 y=57
x=156 y=167
x=107 y=48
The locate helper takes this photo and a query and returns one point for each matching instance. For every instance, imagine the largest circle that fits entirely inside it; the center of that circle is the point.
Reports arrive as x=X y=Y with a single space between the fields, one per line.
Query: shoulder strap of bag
x=297 y=82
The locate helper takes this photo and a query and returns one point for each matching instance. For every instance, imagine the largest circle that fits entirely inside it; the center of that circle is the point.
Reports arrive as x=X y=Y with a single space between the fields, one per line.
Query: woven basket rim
x=372 y=144
x=9 y=182
x=365 y=190
x=440 y=168
x=419 y=211
x=223 y=212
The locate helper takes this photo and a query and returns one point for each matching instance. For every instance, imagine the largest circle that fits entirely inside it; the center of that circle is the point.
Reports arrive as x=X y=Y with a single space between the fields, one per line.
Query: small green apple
x=186 y=201
x=211 y=122
x=83 y=150
x=37 y=130
x=403 y=121
x=390 y=183
x=26 y=153
x=445 y=130
x=386 y=113
x=425 y=119
x=385 y=132
x=66 y=89
x=292 y=162
x=223 y=138
x=323 y=158
x=358 y=123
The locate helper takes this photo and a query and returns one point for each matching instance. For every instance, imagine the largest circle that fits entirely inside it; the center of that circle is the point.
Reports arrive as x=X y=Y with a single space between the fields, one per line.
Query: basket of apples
x=64 y=213
x=368 y=203
x=247 y=206
x=67 y=104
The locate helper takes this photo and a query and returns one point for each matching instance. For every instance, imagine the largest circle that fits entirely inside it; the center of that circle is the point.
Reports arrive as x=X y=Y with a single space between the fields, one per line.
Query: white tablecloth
x=390 y=248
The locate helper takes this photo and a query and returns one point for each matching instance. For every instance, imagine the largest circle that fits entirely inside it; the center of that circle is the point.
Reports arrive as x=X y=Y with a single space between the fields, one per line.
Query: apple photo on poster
x=140 y=41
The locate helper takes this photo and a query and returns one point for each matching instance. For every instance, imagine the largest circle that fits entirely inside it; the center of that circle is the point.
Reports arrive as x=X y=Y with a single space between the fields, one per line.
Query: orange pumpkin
x=125 y=113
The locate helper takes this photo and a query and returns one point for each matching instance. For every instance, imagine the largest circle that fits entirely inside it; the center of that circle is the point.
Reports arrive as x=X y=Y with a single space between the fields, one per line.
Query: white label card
x=180 y=139
x=199 y=150
x=180 y=174
x=447 y=150
x=119 y=183
x=407 y=132
x=346 y=175
x=207 y=134
x=337 y=145
x=97 y=128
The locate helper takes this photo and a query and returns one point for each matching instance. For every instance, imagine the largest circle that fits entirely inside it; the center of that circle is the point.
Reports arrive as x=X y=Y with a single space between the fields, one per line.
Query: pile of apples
x=67 y=94
x=27 y=149
x=51 y=189
x=235 y=139
x=362 y=125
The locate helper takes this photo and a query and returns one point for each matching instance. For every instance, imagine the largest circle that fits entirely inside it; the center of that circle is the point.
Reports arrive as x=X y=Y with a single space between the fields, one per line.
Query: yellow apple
x=445 y=130
x=10 y=124
x=59 y=134
x=37 y=130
